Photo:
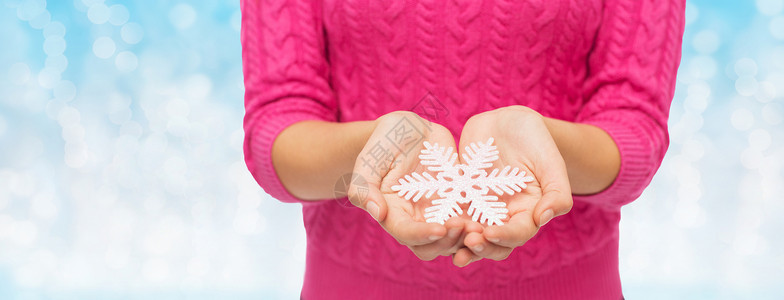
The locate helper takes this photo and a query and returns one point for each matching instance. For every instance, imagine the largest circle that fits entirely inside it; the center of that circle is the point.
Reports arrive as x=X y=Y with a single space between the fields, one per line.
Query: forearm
x=311 y=156
x=592 y=158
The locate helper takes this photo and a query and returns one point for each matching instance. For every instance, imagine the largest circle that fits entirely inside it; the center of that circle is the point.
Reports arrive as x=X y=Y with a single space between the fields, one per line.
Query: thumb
x=554 y=203
x=366 y=195
x=556 y=196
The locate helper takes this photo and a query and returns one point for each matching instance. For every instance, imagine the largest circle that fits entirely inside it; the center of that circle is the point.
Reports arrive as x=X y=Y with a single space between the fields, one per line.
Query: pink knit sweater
x=609 y=63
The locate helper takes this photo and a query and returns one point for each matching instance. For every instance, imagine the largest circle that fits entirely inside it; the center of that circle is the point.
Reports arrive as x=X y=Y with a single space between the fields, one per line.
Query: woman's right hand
x=391 y=152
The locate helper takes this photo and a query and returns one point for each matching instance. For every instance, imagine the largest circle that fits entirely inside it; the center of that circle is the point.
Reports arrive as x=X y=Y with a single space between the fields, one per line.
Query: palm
x=526 y=145
x=523 y=142
x=525 y=201
x=399 y=206
x=403 y=219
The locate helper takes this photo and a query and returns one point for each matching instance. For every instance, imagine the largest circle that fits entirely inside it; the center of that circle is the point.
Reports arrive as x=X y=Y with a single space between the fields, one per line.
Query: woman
x=576 y=94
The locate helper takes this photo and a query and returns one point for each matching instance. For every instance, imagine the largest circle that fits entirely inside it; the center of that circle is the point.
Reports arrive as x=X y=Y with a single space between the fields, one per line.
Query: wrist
x=592 y=157
x=363 y=131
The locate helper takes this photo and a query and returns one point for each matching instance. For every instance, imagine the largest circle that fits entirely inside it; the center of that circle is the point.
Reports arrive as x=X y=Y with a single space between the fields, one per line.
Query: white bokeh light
x=98 y=13
x=776 y=27
x=126 y=61
x=746 y=67
x=54 y=29
x=68 y=115
x=698 y=96
x=29 y=9
x=706 y=42
x=751 y=158
x=132 y=33
x=770 y=7
x=692 y=13
x=56 y=62
x=702 y=67
x=182 y=16
x=760 y=139
x=746 y=85
x=766 y=91
x=48 y=78
x=118 y=14
x=104 y=47
x=41 y=20
x=236 y=20
x=54 y=45
x=89 y=3
x=73 y=133
x=197 y=86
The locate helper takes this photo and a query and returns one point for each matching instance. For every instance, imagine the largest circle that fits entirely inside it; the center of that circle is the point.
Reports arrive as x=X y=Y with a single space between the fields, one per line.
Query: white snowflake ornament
x=463 y=183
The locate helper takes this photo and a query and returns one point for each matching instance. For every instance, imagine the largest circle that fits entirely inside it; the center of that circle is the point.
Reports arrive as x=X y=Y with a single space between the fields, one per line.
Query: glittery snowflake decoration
x=463 y=183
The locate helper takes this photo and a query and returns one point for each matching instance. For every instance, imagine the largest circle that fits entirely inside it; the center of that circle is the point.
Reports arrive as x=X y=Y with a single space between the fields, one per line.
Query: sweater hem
x=594 y=276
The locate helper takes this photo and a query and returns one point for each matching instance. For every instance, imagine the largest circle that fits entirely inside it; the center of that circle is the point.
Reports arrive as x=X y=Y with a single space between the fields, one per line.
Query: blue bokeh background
x=121 y=172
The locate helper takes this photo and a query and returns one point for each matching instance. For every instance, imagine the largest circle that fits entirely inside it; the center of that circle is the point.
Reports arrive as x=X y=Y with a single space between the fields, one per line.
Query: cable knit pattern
x=609 y=63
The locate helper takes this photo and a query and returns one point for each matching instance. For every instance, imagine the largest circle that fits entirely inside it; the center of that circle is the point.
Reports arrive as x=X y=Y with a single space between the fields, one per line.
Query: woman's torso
x=448 y=60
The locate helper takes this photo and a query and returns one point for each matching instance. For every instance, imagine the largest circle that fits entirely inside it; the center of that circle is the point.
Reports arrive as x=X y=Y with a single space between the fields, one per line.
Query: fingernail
x=434 y=237
x=494 y=240
x=453 y=232
x=478 y=248
x=547 y=215
x=372 y=208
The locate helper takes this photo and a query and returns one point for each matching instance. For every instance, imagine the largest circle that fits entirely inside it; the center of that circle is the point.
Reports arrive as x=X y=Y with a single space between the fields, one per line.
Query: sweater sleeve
x=630 y=86
x=286 y=79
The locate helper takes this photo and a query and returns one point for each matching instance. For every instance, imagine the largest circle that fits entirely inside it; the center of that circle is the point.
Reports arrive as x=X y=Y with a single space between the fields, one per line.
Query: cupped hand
x=523 y=141
x=391 y=152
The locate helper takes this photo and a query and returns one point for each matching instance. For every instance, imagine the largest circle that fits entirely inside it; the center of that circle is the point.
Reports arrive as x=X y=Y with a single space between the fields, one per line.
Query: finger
x=514 y=233
x=482 y=248
x=473 y=226
x=366 y=195
x=556 y=191
x=554 y=203
x=444 y=246
x=365 y=187
x=456 y=231
x=463 y=257
x=411 y=232
x=556 y=200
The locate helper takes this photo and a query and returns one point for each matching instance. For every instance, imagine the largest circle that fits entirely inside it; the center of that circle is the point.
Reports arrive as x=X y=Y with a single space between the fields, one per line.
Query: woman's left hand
x=523 y=141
